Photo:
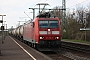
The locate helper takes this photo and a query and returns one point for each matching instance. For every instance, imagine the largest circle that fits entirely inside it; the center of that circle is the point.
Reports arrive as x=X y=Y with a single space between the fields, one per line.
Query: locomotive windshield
x=48 y=24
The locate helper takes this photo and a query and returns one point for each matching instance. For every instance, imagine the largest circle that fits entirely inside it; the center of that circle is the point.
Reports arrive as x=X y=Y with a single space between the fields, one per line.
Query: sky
x=17 y=10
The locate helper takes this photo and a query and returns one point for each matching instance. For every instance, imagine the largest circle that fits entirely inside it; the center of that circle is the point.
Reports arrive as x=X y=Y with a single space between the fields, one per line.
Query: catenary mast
x=64 y=15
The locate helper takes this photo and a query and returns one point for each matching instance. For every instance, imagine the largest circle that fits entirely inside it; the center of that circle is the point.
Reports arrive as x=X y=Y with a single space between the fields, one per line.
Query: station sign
x=84 y=29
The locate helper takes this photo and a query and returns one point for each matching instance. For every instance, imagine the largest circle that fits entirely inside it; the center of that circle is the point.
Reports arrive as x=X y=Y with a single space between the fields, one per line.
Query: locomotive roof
x=56 y=18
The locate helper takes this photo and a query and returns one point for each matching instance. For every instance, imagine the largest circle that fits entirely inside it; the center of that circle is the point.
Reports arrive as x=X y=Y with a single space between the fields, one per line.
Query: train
x=42 y=32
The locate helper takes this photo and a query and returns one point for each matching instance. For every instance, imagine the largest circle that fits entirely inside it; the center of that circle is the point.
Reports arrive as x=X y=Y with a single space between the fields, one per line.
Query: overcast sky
x=14 y=9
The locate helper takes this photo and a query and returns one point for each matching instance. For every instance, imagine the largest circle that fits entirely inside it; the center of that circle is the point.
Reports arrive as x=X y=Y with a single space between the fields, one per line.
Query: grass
x=81 y=41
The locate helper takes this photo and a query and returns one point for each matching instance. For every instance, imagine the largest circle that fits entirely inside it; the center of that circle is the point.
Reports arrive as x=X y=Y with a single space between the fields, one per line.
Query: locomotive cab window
x=43 y=24
x=53 y=24
x=48 y=24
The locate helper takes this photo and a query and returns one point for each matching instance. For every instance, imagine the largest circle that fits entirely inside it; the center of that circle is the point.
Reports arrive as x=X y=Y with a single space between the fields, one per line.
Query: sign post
x=2 y=29
x=85 y=29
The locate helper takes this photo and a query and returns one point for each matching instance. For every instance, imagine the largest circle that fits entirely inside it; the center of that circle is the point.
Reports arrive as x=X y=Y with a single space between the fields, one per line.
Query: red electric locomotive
x=42 y=32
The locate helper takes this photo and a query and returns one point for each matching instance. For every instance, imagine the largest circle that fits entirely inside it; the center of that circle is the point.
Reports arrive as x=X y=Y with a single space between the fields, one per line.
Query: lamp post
x=5 y=31
x=2 y=28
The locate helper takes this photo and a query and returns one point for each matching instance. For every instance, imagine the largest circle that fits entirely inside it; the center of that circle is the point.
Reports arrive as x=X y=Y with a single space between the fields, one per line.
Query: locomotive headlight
x=48 y=29
x=56 y=37
x=41 y=37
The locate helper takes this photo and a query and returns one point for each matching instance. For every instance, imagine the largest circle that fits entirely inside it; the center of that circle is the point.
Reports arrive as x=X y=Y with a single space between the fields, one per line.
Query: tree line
x=76 y=19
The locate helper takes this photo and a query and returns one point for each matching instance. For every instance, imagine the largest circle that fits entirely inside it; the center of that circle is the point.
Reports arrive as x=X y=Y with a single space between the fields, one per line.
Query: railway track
x=55 y=56
x=64 y=54
x=71 y=51
x=76 y=46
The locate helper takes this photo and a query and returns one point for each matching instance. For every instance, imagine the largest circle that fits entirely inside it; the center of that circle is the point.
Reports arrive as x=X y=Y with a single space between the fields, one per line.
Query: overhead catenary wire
x=27 y=15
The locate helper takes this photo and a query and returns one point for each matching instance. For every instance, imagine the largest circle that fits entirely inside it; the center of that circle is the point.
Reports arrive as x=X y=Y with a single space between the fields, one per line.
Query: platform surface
x=13 y=49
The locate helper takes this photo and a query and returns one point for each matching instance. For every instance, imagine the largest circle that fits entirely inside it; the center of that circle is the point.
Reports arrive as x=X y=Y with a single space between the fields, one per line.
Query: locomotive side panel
x=28 y=32
x=36 y=31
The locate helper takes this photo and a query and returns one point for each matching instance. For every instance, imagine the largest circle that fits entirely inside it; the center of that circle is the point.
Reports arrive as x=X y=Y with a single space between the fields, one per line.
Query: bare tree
x=80 y=14
x=57 y=12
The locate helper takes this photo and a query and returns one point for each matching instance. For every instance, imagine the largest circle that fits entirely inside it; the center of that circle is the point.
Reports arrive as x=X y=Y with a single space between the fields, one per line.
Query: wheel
x=34 y=45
